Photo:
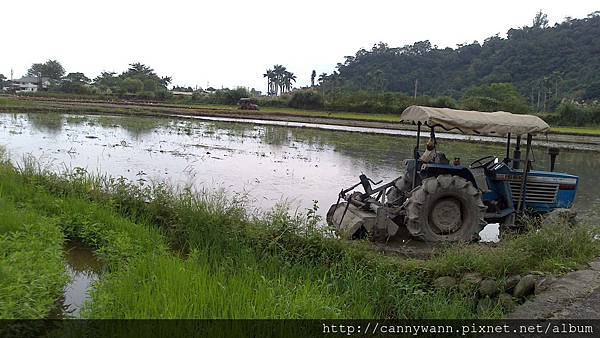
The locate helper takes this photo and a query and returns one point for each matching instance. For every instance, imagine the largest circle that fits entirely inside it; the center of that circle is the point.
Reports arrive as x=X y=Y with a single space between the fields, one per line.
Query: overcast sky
x=231 y=43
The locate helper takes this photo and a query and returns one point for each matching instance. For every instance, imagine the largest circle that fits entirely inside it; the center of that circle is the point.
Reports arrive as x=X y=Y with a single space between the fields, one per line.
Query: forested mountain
x=544 y=63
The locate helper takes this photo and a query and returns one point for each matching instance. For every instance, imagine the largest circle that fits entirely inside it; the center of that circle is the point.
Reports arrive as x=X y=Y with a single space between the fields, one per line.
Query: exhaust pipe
x=517 y=154
x=553 y=152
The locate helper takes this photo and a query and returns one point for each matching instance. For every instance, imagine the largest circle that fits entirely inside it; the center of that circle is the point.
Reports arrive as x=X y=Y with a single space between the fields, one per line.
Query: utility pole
x=39 y=81
x=11 y=74
x=416 y=86
x=531 y=99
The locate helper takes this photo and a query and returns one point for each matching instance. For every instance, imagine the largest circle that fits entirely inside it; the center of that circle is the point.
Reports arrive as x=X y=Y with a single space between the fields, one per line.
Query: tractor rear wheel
x=445 y=209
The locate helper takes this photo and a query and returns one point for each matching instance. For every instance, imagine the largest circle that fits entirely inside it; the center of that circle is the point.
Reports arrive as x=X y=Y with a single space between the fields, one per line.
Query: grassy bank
x=581 y=131
x=178 y=254
x=144 y=280
x=32 y=273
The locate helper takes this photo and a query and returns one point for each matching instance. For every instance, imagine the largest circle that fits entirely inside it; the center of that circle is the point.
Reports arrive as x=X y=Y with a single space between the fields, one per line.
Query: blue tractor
x=438 y=200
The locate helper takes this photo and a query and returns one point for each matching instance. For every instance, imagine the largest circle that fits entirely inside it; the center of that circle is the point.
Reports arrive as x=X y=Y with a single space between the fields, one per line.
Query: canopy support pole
x=507 y=158
x=416 y=155
x=517 y=154
x=523 y=191
x=418 y=140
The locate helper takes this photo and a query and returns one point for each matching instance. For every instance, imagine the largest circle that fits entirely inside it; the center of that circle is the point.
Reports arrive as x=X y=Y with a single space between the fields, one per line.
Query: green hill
x=545 y=64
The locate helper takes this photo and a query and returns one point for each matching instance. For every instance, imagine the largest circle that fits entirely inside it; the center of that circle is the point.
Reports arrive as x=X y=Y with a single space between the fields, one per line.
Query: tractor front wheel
x=445 y=209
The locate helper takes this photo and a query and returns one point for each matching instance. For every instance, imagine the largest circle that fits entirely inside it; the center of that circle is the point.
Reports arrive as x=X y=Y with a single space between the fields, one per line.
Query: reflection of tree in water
x=136 y=125
x=77 y=120
x=373 y=149
x=221 y=128
x=581 y=163
x=275 y=136
x=46 y=122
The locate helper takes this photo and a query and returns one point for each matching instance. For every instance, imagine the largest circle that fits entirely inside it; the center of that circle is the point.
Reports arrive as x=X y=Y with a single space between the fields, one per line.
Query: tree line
x=535 y=68
x=544 y=63
x=138 y=80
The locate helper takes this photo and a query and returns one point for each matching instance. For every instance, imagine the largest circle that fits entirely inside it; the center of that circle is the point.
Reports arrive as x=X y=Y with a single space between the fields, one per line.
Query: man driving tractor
x=439 y=201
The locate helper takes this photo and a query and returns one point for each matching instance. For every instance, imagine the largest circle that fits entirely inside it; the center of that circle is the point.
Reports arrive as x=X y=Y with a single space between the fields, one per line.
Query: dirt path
x=573 y=296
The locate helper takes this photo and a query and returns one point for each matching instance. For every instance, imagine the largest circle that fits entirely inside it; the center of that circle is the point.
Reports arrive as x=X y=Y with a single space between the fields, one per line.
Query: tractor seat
x=479 y=175
x=441 y=158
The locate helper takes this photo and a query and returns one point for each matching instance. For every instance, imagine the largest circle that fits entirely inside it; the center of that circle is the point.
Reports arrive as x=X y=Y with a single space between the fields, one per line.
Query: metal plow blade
x=353 y=223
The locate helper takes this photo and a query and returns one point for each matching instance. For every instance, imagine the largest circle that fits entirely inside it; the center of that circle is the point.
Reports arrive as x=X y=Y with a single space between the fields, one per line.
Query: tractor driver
x=430 y=154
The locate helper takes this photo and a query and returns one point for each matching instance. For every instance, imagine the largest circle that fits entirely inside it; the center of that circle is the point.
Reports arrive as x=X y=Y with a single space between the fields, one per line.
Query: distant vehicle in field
x=247 y=103
x=438 y=200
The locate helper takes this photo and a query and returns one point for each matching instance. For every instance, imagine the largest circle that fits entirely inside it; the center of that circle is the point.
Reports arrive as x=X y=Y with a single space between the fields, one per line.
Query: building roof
x=31 y=79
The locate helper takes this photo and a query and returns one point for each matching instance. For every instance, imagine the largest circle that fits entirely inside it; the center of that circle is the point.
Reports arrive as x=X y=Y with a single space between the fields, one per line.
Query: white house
x=30 y=84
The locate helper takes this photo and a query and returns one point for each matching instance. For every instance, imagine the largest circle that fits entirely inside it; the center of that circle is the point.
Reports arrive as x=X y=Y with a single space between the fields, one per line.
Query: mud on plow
x=440 y=201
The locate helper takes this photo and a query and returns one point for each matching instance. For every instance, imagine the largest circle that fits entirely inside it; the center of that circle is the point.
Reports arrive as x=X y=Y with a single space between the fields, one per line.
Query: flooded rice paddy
x=268 y=164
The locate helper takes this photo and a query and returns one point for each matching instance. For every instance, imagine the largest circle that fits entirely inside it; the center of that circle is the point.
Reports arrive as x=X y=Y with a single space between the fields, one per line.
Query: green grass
x=305 y=113
x=336 y=115
x=32 y=272
x=9 y=102
x=178 y=254
x=140 y=268
x=168 y=287
x=584 y=131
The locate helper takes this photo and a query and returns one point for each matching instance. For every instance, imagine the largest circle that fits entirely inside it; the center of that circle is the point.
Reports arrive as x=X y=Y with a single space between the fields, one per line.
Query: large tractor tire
x=445 y=209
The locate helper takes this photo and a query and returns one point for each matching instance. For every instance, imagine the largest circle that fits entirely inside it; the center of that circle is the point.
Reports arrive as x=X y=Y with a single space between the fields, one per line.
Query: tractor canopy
x=474 y=122
x=247 y=100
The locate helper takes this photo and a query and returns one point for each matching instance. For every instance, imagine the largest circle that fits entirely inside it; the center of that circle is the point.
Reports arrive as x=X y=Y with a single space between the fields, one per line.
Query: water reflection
x=83 y=268
x=50 y=123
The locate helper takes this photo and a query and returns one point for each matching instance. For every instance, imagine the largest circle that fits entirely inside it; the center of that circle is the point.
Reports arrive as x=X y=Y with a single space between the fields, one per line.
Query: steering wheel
x=482 y=162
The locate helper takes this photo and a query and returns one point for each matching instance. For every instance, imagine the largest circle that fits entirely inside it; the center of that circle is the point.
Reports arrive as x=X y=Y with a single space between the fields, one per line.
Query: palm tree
x=322 y=79
x=279 y=80
x=270 y=75
x=287 y=80
x=279 y=71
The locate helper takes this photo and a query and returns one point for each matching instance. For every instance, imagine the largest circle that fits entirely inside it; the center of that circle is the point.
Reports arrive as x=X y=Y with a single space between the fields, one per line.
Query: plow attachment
x=360 y=215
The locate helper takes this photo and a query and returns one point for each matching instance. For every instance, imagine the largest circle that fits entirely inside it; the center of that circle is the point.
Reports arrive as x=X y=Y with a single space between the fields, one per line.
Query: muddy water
x=565 y=142
x=83 y=269
x=267 y=163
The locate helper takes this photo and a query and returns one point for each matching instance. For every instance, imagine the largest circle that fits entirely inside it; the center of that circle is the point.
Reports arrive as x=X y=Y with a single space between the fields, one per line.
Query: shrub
x=494 y=97
x=444 y=102
x=571 y=113
x=274 y=101
x=306 y=99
